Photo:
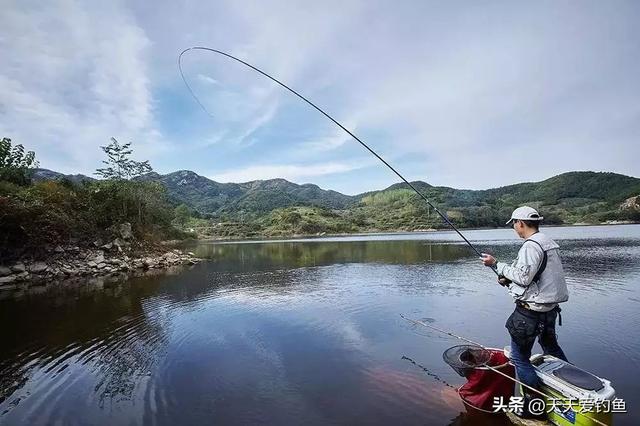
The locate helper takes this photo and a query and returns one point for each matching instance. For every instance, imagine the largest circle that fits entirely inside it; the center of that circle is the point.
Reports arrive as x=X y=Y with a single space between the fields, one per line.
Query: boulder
x=22 y=276
x=4 y=271
x=38 y=267
x=8 y=280
x=107 y=246
x=120 y=243
x=149 y=262
x=124 y=231
x=98 y=258
x=58 y=249
x=18 y=267
x=68 y=271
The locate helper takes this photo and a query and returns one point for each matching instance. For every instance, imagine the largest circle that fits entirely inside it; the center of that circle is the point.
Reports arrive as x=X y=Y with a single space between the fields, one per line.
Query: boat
x=577 y=397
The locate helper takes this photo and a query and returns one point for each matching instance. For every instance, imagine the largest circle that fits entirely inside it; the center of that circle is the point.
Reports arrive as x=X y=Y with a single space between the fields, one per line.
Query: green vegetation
x=34 y=216
x=158 y=206
x=15 y=165
x=306 y=221
x=277 y=208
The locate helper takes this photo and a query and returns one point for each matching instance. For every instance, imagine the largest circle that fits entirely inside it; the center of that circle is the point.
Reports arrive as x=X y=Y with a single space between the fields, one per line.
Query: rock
x=92 y=264
x=101 y=265
x=170 y=255
x=74 y=249
x=8 y=280
x=124 y=230
x=632 y=203
x=38 y=267
x=149 y=262
x=18 y=267
x=4 y=271
x=120 y=243
x=58 y=249
x=68 y=271
x=22 y=276
x=97 y=243
x=99 y=258
x=107 y=246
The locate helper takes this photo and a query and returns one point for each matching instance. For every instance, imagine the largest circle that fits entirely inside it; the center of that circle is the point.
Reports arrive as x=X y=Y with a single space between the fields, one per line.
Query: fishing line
x=428 y=372
x=336 y=122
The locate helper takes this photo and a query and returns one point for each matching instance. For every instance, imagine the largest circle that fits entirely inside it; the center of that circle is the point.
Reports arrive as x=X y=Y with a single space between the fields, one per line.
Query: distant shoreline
x=285 y=238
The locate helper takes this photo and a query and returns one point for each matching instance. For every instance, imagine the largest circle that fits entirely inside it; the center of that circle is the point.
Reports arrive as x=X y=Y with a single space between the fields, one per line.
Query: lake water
x=304 y=332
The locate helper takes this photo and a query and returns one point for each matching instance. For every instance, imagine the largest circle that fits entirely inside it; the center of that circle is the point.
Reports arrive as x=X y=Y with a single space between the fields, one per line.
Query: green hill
x=280 y=207
x=585 y=197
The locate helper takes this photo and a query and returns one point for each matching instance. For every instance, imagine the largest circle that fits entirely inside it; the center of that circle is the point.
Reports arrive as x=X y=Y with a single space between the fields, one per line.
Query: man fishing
x=537 y=283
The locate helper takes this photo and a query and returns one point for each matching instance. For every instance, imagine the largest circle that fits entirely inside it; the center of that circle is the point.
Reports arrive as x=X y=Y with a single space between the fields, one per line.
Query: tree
x=182 y=214
x=15 y=164
x=124 y=196
x=120 y=166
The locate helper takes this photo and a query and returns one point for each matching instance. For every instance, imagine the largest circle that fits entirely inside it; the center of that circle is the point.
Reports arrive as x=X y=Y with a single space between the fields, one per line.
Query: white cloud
x=468 y=94
x=292 y=172
x=330 y=142
x=73 y=75
x=208 y=80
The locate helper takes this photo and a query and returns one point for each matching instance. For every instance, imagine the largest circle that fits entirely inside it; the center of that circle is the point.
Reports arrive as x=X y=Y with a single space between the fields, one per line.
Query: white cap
x=525 y=213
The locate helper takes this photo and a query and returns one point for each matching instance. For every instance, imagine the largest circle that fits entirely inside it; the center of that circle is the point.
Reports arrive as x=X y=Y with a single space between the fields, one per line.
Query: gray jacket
x=551 y=288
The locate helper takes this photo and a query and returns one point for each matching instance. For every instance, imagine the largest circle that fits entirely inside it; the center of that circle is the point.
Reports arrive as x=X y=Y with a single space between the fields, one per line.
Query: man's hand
x=503 y=281
x=488 y=260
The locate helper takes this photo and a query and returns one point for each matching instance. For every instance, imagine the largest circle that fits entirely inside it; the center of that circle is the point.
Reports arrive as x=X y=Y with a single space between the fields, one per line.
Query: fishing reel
x=503 y=281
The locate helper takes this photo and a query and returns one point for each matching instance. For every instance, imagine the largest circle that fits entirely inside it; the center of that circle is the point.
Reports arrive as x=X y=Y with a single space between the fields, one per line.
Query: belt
x=525 y=305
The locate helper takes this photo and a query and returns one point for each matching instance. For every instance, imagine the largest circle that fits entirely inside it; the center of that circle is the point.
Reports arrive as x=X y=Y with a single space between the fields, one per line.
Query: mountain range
x=572 y=197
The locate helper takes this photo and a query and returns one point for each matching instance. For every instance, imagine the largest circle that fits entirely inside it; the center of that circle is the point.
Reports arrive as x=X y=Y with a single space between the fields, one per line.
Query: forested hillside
x=278 y=207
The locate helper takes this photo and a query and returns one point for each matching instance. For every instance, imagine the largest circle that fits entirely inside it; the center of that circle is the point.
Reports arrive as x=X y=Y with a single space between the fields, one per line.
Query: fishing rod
x=495 y=370
x=336 y=122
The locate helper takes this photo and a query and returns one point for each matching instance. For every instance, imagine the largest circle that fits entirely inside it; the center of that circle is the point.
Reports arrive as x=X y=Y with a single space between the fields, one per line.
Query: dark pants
x=524 y=326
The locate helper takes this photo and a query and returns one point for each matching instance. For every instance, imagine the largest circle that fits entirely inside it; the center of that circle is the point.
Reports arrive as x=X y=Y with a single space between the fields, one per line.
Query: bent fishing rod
x=336 y=122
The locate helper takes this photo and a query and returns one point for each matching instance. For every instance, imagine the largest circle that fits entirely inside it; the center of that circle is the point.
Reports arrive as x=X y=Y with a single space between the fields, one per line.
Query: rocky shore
x=115 y=258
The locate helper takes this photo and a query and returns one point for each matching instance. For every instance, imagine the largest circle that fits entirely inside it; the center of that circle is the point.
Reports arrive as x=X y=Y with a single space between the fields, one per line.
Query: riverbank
x=75 y=262
x=124 y=255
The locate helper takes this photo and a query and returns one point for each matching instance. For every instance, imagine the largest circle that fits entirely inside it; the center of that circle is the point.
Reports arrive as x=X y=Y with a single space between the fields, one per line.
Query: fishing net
x=483 y=383
x=465 y=358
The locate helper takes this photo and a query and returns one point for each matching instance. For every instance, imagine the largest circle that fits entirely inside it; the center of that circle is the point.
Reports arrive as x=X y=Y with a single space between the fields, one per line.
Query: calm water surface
x=303 y=332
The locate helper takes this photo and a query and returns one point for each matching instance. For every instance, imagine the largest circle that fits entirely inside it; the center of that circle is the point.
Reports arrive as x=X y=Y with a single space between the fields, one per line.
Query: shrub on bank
x=44 y=214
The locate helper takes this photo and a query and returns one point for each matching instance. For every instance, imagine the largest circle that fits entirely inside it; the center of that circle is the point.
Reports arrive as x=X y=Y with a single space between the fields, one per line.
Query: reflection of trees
x=301 y=254
x=114 y=330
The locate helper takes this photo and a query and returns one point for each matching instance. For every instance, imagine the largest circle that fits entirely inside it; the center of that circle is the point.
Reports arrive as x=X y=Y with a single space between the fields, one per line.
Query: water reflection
x=294 y=255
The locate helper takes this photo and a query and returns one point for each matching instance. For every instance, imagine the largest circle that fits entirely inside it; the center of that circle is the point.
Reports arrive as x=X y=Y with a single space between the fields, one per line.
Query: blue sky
x=462 y=94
